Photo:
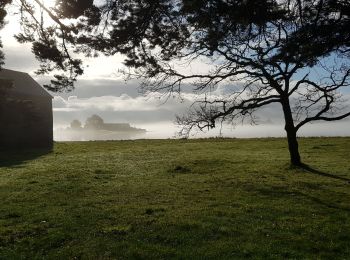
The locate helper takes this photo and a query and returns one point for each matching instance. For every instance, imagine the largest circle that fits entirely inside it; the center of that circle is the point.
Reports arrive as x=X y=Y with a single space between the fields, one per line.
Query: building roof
x=24 y=83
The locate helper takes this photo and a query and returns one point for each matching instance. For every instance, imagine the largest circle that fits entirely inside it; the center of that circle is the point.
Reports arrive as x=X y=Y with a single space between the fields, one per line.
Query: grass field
x=185 y=199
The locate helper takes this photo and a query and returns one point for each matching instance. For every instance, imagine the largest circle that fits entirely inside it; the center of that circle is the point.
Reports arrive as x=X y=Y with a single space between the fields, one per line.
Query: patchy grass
x=186 y=199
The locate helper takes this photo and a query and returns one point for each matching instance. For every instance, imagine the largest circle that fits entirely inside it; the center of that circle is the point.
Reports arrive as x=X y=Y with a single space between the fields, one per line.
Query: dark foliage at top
x=291 y=52
x=3 y=14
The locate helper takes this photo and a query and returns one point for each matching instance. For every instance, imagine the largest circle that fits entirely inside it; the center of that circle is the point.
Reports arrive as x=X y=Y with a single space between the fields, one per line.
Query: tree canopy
x=291 y=52
x=75 y=124
x=94 y=122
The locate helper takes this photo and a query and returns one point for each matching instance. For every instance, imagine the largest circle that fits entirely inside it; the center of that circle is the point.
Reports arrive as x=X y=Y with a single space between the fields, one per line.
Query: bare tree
x=291 y=52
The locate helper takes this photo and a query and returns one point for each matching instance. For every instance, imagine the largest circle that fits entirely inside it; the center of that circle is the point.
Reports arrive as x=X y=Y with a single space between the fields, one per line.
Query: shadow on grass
x=14 y=158
x=329 y=200
x=327 y=204
x=311 y=170
x=275 y=192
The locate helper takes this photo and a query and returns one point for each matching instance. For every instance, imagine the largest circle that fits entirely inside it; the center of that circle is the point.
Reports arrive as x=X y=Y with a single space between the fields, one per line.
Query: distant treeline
x=96 y=122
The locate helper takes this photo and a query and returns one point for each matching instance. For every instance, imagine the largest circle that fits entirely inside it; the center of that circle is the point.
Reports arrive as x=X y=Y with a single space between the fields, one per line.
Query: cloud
x=102 y=91
x=124 y=102
x=150 y=108
x=19 y=57
x=123 y=108
x=59 y=102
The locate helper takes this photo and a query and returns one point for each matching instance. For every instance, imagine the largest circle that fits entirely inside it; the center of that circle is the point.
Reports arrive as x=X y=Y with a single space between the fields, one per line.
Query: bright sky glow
x=101 y=91
x=49 y=3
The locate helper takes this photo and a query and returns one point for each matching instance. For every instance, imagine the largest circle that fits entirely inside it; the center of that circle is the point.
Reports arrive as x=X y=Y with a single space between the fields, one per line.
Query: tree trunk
x=293 y=146
x=291 y=134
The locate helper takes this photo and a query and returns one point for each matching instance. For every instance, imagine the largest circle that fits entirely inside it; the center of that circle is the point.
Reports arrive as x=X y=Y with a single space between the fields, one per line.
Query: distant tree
x=294 y=53
x=75 y=124
x=94 y=122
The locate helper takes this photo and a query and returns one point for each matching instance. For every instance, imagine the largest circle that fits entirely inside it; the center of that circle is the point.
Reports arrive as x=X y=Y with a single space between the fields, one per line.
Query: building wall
x=26 y=121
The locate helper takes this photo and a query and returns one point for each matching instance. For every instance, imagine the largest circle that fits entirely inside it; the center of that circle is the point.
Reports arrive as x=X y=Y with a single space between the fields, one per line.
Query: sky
x=102 y=91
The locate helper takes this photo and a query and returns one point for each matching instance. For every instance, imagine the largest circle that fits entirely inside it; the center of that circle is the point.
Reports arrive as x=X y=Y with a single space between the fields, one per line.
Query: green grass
x=185 y=199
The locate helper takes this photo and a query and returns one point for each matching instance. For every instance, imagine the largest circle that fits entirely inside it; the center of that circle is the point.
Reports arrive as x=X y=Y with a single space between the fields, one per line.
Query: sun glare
x=49 y=3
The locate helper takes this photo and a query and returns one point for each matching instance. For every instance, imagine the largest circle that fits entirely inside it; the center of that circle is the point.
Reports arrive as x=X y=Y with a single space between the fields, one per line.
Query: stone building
x=25 y=112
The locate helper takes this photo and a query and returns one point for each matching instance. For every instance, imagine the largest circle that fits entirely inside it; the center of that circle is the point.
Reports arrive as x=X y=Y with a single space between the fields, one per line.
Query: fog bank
x=165 y=130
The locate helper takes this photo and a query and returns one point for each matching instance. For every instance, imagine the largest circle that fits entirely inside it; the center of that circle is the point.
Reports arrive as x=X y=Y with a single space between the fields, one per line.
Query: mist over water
x=166 y=130
x=116 y=104
x=153 y=131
